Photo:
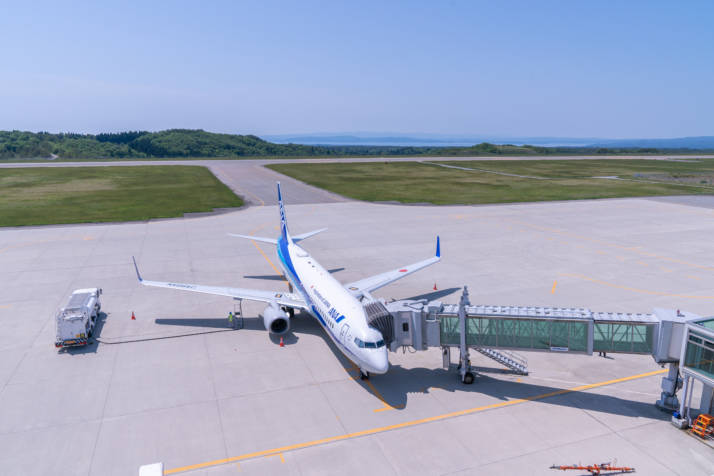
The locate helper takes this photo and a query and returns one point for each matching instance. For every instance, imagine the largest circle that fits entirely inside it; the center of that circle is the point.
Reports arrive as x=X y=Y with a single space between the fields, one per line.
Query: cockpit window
x=369 y=345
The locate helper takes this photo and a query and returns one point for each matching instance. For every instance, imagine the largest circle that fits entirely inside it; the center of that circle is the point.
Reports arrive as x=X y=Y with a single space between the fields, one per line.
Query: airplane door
x=344 y=332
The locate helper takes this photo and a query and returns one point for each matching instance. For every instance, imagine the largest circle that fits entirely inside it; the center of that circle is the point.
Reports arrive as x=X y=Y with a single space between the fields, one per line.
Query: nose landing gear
x=363 y=375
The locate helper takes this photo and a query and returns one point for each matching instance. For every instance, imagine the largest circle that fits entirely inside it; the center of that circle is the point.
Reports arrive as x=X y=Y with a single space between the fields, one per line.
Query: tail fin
x=283 y=221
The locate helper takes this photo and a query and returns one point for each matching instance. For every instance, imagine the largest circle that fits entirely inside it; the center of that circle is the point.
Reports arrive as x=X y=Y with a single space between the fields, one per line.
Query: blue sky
x=567 y=68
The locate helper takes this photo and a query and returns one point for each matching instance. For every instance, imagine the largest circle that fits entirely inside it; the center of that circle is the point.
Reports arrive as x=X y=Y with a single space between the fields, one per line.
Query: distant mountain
x=701 y=142
x=354 y=139
x=442 y=140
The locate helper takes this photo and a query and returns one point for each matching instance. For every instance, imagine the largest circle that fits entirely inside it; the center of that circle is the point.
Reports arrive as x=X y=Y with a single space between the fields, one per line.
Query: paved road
x=256 y=184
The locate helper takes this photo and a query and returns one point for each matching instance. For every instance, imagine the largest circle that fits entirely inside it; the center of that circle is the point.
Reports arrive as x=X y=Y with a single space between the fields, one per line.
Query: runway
x=236 y=402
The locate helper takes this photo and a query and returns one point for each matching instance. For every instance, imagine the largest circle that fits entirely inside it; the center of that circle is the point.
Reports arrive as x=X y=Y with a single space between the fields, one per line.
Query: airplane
x=340 y=309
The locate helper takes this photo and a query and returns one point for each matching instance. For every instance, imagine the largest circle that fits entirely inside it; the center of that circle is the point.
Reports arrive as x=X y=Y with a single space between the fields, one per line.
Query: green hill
x=140 y=144
x=180 y=143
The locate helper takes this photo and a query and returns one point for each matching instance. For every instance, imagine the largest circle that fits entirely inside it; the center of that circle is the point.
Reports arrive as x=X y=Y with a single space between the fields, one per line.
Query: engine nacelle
x=276 y=320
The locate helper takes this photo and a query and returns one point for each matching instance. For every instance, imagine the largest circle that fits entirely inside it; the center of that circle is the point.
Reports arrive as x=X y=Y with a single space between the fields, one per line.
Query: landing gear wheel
x=468 y=378
x=363 y=375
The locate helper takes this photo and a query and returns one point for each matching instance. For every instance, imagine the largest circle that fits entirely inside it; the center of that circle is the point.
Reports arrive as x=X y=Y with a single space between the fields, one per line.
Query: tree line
x=181 y=143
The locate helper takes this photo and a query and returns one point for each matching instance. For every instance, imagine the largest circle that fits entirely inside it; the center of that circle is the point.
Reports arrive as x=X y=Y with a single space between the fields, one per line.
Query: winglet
x=438 y=247
x=136 y=268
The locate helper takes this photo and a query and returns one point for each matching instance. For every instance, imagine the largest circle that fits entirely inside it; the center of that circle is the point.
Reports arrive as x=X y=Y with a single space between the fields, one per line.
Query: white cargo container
x=76 y=320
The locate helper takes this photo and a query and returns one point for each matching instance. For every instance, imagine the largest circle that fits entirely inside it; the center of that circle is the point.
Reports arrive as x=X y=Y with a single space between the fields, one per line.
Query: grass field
x=48 y=195
x=496 y=181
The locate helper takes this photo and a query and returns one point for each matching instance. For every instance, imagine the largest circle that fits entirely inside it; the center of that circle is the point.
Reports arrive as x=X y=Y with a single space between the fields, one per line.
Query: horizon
x=635 y=70
x=447 y=140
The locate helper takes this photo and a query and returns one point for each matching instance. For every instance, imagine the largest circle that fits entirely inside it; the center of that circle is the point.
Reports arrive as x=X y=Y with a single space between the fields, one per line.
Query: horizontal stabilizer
x=297 y=238
x=256 y=238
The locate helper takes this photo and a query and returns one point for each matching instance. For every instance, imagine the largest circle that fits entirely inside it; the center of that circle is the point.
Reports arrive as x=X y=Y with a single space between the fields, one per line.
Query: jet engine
x=276 y=320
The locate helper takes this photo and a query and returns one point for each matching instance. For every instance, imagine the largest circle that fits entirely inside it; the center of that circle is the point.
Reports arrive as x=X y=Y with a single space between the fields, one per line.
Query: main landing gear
x=467 y=376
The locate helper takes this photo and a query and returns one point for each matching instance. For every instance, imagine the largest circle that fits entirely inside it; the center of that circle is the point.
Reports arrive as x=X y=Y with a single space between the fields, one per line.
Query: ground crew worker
x=230 y=318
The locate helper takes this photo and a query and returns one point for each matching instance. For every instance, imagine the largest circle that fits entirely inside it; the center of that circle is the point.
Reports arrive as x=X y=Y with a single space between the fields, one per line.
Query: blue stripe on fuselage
x=284 y=256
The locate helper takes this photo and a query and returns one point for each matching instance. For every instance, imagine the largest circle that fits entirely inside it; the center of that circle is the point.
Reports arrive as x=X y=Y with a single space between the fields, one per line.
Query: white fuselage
x=338 y=312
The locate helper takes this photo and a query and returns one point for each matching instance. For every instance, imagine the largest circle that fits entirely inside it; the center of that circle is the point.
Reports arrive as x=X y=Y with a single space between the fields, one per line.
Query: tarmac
x=222 y=401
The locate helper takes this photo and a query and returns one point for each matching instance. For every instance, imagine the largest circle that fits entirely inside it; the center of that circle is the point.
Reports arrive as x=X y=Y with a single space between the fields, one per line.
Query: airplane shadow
x=398 y=383
x=249 y=323
x=213 y=323
x=434 y=295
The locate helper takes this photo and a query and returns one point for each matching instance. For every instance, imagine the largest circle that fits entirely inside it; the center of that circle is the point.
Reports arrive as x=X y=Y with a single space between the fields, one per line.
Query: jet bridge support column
x=668 y=400
x=467 y=375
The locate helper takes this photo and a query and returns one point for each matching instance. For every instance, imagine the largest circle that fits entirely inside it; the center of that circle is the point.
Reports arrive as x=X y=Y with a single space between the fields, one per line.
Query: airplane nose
x=380 y=362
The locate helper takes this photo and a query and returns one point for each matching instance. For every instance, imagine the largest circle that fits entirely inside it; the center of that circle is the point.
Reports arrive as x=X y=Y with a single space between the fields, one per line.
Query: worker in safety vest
x=230 y=318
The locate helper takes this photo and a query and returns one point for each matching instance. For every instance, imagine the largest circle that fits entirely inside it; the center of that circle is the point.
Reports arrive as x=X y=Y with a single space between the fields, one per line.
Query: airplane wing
x=367 y=285
x=280 y=298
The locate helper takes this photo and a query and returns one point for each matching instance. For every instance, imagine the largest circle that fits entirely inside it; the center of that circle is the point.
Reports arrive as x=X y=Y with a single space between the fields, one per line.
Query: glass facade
x=709 y=323
x=629 y=337
x=449 y=329
x=699 y=355
x=517 y=333
x=543 y=334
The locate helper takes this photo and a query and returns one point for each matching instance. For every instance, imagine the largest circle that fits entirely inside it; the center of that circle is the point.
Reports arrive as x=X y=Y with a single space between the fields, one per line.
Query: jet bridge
x=498 y=331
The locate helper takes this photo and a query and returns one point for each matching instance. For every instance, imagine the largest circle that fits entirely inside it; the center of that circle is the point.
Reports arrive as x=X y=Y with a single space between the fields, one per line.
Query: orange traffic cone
x=133 y=317
x=434 y=286
x=282 y=344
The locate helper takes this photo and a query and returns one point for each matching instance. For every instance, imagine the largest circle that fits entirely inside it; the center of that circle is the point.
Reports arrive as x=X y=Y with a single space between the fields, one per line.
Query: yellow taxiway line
x=280 y=273
x=260 y=250
x=374 y=391
x=406 y=424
